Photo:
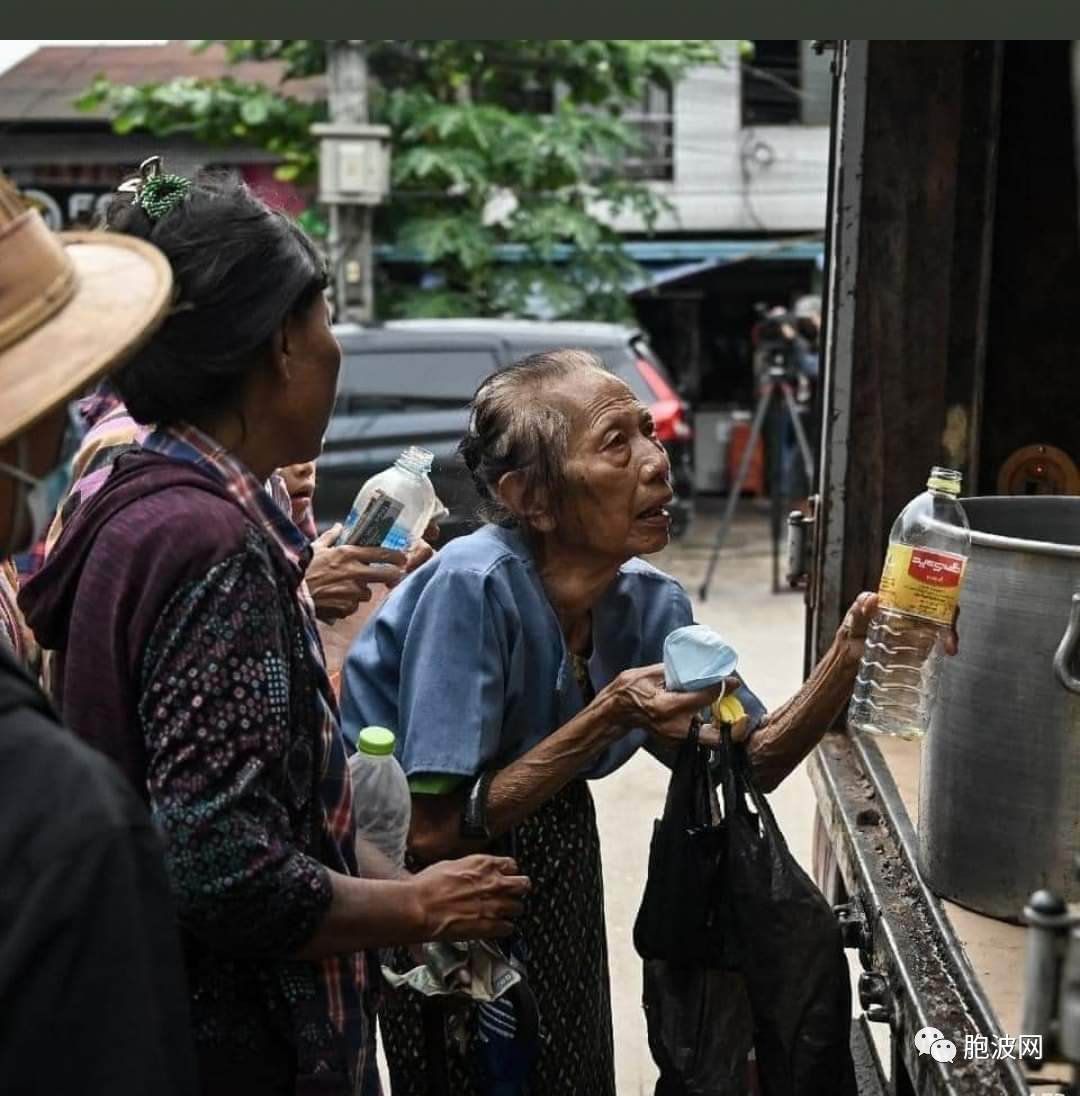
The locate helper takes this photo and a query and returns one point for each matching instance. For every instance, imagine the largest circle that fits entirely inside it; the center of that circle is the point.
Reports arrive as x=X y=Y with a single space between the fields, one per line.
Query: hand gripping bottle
x=382 y=806
x=928 y=550
x=393 y=508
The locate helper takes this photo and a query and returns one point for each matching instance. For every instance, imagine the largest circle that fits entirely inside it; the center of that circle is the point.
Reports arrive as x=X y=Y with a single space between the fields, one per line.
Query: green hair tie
x=161 y=194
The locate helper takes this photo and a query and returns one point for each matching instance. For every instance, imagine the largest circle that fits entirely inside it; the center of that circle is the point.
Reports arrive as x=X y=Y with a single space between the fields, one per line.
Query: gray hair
x=512 y=428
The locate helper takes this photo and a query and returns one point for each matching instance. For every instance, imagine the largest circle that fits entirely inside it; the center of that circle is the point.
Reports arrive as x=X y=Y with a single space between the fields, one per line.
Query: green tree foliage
x=533 y=129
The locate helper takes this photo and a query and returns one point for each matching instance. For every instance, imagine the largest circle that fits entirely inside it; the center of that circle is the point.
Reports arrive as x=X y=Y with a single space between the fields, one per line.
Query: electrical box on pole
x=354 y=176
x=354 y=163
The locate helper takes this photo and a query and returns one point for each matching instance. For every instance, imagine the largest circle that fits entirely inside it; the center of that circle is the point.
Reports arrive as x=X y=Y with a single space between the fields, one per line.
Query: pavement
x=767 y=631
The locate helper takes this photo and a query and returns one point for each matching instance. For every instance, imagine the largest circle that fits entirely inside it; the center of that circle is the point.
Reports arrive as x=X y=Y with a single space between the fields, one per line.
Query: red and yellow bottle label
x=921 y=582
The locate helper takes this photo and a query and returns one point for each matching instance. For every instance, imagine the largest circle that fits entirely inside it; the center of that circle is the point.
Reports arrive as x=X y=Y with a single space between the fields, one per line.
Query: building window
x=771 y=84
x=786 y=83
x=653 y=117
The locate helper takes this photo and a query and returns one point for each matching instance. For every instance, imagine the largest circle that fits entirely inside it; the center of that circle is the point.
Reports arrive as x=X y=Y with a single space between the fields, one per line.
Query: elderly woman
x=522 y=661
x=189 y=655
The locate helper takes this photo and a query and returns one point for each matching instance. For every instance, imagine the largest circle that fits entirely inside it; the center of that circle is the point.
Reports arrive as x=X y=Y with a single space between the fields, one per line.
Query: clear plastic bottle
x=382 y=806
x=394 y=507
x=928 y=549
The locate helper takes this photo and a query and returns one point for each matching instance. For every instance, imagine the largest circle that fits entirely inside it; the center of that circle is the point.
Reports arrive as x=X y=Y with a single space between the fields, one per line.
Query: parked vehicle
x=409 y=382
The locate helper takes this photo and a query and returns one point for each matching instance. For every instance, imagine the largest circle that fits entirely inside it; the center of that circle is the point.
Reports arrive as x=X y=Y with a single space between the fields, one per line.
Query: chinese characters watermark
x=929 y=1040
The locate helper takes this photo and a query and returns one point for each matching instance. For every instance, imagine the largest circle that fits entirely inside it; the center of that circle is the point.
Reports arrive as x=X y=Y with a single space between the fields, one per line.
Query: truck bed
x=936 y=964
x=995 y=949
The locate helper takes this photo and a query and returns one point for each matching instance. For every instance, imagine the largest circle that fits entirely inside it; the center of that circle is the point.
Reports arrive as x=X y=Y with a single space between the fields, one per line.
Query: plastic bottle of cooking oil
x=928 y=550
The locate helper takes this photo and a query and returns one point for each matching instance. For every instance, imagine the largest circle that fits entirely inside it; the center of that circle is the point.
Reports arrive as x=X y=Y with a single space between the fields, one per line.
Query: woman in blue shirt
x=524 y=660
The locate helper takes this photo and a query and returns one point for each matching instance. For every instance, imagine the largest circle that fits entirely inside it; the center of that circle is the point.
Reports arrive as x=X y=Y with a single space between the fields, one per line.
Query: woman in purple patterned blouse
x=188 y=653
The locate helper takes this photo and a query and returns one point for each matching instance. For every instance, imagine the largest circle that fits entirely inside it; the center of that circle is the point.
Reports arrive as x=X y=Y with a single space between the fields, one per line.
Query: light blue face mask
x=42 y=495
x=695 y=657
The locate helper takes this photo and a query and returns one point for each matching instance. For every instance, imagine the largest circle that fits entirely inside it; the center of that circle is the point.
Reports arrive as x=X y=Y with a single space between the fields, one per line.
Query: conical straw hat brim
x=123 y=294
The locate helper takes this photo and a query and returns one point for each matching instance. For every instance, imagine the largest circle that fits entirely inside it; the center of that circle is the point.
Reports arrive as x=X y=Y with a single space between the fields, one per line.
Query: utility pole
x=354 y=176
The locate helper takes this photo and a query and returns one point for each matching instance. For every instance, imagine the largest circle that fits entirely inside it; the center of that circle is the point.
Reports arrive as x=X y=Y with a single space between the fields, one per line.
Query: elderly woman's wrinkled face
x=617 y=471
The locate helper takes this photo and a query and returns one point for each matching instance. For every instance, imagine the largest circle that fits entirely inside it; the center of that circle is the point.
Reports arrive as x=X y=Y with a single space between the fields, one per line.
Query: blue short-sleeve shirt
x=466 y=661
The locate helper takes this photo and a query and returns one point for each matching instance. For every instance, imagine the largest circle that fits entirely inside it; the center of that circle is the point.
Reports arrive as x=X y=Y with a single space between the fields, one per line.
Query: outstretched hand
x=851 y=635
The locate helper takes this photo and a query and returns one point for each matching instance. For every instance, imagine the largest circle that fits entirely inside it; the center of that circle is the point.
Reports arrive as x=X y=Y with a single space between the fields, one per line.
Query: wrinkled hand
x=851 y=635
x=474 y=898
x=638 y=699
x=419 y=552
x=422 y=549
x=952 y=640
x=740 y=732
x=339 y=578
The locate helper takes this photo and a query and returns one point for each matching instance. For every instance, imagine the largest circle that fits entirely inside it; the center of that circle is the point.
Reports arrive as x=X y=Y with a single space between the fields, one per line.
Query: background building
x=739 y=150
x=67 y=160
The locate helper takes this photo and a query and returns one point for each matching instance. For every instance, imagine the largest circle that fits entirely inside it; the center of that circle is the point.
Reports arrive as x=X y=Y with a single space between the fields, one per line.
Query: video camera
x=778 y=344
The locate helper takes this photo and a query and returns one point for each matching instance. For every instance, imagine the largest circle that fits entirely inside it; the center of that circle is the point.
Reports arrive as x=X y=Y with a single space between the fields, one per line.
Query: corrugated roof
x=44 y=86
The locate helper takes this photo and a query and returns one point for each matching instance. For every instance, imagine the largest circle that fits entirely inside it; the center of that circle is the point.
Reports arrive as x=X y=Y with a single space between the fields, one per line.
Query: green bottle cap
x=376 y=740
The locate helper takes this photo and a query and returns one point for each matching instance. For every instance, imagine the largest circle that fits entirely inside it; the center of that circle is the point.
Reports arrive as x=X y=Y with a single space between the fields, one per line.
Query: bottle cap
x=946 y=480
x=376 y=740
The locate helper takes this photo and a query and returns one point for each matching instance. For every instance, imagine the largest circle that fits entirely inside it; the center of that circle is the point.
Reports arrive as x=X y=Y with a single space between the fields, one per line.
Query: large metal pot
x=999 y=801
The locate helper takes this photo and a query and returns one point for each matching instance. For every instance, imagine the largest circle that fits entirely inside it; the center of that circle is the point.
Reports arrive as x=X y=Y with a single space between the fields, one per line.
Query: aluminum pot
x=999 y=798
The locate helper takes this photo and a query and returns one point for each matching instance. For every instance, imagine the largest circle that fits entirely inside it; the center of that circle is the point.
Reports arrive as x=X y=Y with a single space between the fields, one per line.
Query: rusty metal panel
x=907 y=284
x=908 y=942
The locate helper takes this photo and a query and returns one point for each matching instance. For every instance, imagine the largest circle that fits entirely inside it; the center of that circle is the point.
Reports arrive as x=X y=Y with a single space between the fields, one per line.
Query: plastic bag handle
x=729 y=774
x=705 y=800
x=690 y=792
x=739 y=781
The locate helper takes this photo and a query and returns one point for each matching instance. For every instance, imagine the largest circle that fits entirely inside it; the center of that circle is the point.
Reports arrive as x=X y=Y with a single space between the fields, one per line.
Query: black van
x=408 y=383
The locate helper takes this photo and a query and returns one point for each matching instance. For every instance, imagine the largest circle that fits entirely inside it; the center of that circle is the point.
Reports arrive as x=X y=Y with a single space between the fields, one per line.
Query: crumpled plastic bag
x=696 y=657
x=724 y=898
x=701 y=1030
x=677 y=921
x=490 y=975
x=788 y=947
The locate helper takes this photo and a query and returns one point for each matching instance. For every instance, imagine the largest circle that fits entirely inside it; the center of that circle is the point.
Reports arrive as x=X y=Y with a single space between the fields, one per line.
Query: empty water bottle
x=928 y=549
x=382 y=806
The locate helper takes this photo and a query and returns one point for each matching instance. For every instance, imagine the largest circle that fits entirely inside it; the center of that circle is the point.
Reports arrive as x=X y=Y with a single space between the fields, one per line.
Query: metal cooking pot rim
x=1016 y=544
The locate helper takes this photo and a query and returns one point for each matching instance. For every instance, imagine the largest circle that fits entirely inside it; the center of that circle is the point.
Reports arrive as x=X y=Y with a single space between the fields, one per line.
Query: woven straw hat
x=72 y=304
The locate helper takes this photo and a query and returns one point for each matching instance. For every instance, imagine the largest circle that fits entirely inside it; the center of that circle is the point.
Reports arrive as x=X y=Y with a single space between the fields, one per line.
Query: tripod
x=776 y=397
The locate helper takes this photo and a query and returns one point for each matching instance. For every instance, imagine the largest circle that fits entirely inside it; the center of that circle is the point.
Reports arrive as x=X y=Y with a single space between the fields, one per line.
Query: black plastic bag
x=677 y=920
x=701 y=1029
x=770 y=924
x=789 y=948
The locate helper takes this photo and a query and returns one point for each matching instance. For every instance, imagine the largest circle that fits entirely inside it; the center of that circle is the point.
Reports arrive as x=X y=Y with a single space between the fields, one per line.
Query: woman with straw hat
x=91 y=983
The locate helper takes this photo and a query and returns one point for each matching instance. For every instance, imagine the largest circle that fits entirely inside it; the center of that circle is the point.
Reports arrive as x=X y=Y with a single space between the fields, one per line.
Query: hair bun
x=124 y=214
x=241 y=267
x=470 y=450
